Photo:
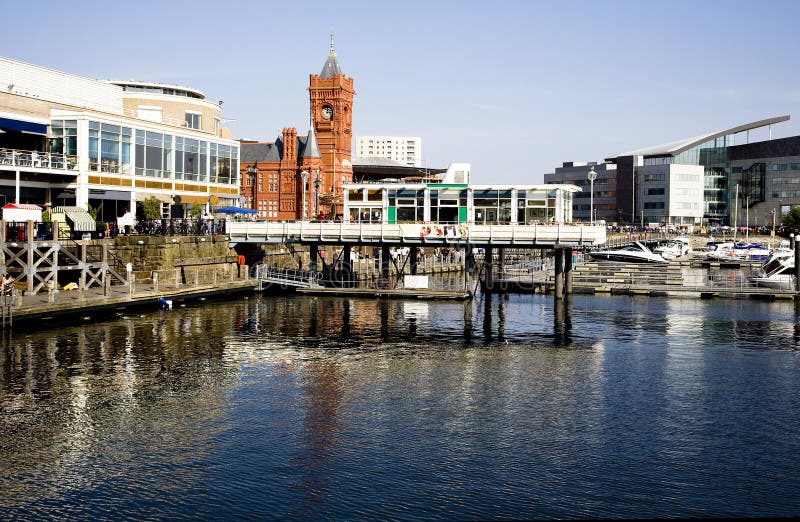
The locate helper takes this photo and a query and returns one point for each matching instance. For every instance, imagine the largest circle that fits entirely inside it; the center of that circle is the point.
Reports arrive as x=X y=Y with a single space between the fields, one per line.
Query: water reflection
x=502 y=407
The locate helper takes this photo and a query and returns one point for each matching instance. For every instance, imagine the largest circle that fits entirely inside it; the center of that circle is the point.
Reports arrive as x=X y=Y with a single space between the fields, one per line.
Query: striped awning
x=81 y=220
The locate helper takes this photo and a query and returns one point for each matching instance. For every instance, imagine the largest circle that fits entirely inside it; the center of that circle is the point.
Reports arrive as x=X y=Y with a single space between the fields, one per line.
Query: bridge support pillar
x=313 y=252
x=386 y=258
x=559 y=273
x=488 y=266
x=568 y=266
x=469 y=268
x=414 y=254
x=501 y=263
x=345 y=261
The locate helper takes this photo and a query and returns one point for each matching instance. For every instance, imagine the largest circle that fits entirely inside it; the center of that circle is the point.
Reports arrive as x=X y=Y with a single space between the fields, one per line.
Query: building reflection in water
x=67 y=393
x=322 y=385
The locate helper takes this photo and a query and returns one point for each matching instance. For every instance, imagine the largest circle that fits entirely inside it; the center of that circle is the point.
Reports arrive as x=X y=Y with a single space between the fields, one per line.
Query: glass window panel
x=406 y=214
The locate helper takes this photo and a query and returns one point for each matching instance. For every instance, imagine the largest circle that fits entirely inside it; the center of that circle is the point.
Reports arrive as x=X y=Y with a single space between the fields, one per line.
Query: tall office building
x=706 y=179
x=403 y=149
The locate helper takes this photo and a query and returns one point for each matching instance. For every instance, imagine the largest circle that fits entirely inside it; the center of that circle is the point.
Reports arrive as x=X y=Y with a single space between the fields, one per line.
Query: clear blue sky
x=513 y=87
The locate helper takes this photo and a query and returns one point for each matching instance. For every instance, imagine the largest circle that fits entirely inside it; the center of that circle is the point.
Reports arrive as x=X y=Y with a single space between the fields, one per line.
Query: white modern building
x=68 y=140
x=457 y=203
x=406 y=150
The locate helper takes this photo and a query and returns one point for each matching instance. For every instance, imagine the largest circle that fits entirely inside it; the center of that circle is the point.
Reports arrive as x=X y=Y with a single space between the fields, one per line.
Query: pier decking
x=646 y=280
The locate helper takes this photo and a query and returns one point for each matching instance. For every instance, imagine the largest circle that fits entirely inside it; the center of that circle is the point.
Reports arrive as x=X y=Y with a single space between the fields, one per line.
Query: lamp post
x=316 y=193
x=252 y=176
x=592 y=176
x=333 y=181
x=774 y=219
x=305 y=188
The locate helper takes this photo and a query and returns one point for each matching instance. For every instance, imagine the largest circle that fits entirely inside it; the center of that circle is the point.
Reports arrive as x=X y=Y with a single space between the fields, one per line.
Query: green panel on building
x=462 y=214
x=447 y=185
x=392 y=215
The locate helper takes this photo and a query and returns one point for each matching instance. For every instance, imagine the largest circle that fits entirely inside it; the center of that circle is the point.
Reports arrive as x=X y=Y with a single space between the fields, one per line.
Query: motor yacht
x=751 y=252
x=777 y=272
x=677 y=247
x=636 y=252
x=722 y=250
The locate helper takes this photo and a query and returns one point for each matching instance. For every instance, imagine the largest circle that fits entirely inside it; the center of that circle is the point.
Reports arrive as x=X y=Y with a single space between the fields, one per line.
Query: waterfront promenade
x=72 y=303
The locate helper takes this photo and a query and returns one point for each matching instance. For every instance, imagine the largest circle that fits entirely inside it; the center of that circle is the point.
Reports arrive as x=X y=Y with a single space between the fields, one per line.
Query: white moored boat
x=678 y=247
x=777 y=272
x=636 y=252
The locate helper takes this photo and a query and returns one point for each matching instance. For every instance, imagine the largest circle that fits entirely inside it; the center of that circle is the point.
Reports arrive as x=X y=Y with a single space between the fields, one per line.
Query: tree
x=196 y=210
x=95 y=211
x=791 y=220
x=151 y=208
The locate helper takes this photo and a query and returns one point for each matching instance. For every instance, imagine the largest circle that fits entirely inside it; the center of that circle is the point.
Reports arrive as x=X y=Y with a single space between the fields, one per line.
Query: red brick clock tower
x=331 y=95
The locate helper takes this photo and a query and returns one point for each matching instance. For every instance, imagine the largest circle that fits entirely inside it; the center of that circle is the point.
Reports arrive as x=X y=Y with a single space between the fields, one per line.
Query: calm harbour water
x=292 y=408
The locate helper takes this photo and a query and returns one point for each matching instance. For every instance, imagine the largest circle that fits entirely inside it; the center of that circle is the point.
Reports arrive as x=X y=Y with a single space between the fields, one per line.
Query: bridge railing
x=299 y=231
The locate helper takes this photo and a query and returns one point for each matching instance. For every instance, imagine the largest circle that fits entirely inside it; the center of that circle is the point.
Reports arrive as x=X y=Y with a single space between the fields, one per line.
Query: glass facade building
x=458 y=203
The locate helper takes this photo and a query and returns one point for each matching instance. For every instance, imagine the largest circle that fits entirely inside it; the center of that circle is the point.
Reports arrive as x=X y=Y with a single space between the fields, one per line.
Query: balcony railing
x=37 y=160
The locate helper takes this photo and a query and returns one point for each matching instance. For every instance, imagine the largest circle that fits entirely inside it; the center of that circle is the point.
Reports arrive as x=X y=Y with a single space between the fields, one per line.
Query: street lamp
x=774 y=213
x=305 y=187
x=333 y=181
x=592 y=176
x=316 y=193
x=252 y=175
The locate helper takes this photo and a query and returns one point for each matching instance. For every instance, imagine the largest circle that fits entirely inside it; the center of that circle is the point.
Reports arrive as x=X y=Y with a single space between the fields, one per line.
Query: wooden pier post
x=346 y=261
x=469 y=266
x=29 y=236
x=568 y=269
x=386 y=258
x=559 y=273
x=414 y=253
x=104 y=278
x=313 y=252
x=82 y=281
x=488 y=267
x=501 y=263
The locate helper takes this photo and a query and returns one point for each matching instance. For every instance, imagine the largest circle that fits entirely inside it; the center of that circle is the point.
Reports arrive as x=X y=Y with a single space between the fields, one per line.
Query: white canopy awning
x=22 y=212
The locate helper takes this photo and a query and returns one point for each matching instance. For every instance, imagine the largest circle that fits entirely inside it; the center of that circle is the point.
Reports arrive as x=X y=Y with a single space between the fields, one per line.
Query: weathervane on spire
x=331 y=67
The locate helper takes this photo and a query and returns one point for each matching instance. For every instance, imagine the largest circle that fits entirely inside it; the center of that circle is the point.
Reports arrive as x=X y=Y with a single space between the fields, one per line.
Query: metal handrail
x=37 y=160
x=290 y=277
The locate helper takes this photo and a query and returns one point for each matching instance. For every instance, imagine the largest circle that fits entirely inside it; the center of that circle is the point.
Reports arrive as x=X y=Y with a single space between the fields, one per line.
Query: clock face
x=327 y=112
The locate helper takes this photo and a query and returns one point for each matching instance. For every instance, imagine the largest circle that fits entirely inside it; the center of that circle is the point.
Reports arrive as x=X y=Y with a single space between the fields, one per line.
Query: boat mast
x=736 y=213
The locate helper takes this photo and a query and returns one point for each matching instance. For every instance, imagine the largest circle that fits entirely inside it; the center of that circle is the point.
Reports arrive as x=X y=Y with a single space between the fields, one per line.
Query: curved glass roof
x=676 y=147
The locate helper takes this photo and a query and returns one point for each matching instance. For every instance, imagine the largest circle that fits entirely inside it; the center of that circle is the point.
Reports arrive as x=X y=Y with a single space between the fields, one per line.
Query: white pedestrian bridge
x=340 y=233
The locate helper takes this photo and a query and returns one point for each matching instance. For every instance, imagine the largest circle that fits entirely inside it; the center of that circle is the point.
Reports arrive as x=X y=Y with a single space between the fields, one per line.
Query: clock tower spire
x=331 y=101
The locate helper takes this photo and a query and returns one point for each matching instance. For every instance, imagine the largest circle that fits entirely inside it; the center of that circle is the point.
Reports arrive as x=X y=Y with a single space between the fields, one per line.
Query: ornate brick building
x=301 y=177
